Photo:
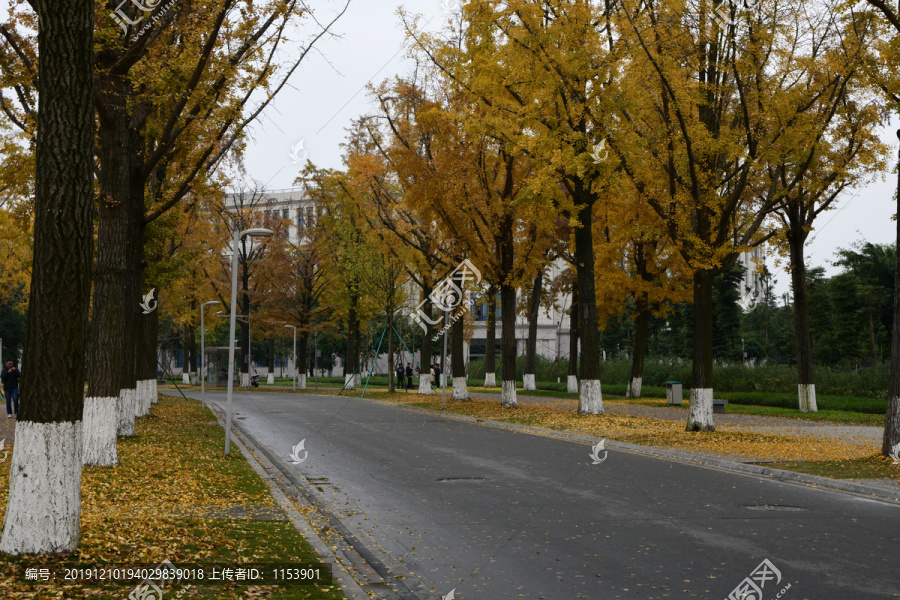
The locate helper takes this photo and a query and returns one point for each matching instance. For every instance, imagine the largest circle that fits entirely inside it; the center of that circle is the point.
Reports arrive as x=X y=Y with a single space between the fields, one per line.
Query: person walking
x=437 y=374
x=409 y=376
x=10 y=377
x=400 y=378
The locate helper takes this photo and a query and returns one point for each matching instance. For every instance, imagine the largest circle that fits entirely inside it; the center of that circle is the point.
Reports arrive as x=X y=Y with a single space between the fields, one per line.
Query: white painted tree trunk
x=245 y=379
x=424 y=383
x=572 y=384
x=443 y=380
x=807 y=393
x=508 y=394
x=460 y=391
x=126 y=413
x=359 y=379
x=43 y=513
x=634 y=388
x=301 y=381
x=140 y=396
x=154 y=393
x=195 y=378
x=529 y=384
x=490 y=380
x=149 y=389
x=349 y=382
x=270 y=379
x=99 y=426
x=186 y=378
x=701 y=410
x=590 y=399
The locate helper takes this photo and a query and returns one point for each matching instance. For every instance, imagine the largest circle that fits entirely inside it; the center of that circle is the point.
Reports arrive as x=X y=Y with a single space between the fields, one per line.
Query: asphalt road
x=498 y=515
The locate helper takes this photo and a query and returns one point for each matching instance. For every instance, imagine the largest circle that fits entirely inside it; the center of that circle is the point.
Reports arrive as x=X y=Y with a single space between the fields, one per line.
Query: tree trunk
x=425 y=354
x=891 y=442
x=151 y=333
x=806 y=388
x=457 y=360
x=572 y=378
x=531 y=345
x=506 y=254
x=640 y=349
x=701 y=409
x=351 y=364
x=301 y=361
x=390 y=350
x=490 y=342
x=107 y=406
x=270 y=362
x=874 y=340
x=591 y=397
x=246 y=329
x=44 y=501
x=508 y=346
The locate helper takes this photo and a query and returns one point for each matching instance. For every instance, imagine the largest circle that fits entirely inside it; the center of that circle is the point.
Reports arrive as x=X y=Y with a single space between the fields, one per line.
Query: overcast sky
x=329 y=91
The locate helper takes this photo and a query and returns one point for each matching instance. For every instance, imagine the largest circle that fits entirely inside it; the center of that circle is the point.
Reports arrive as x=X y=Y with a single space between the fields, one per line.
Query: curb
x=675 y=456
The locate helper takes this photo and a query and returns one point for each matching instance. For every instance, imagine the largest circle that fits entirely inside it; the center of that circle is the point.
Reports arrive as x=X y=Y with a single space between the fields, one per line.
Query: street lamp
x=316 y=358
x=295 y=355
x=238 y=236
x=203 y=361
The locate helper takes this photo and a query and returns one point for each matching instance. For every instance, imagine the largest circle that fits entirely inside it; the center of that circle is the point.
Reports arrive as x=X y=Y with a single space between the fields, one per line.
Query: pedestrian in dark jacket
x=400 y=379
x=10 y=376
x=409 y=376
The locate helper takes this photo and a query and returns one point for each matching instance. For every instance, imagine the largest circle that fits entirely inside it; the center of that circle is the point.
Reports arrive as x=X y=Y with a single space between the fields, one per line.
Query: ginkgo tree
x=473 y=186
x=706 y=114
x=176 y=90
x=883 y=74
x=536 y=70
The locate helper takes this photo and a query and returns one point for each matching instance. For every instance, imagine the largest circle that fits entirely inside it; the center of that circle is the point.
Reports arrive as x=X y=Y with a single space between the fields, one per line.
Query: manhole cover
x=445 y=479
x=775 y=507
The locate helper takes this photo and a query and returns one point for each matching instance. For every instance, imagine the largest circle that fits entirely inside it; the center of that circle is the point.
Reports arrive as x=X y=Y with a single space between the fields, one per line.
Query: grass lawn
x=871 y=467
x=174 y=497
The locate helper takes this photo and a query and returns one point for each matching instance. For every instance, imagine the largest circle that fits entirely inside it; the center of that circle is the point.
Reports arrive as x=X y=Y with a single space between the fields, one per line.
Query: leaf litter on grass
x=728 y=443
x=173 y=497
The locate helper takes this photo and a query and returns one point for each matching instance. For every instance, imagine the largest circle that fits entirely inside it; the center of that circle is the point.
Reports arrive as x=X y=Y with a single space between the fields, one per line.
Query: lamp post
x=316 y=358
x=238 y=236
x=203 y=361
x=295 y=355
